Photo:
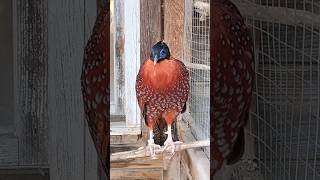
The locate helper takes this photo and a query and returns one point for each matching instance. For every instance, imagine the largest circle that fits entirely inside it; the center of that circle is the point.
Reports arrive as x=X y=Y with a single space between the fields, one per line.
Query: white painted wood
x=117 y=58
x=120 y=128
x=132 y=60
x=112 y=59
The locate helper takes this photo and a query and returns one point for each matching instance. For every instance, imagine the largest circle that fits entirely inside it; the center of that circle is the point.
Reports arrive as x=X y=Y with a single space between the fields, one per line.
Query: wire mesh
x=284 y=123
x=196 y=55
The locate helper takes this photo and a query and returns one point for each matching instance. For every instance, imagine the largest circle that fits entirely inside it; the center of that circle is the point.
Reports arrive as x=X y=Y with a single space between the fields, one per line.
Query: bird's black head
x=159 y=51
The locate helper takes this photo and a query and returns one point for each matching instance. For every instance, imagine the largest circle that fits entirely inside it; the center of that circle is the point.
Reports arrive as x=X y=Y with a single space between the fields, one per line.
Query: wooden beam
x=187 y=34
x=277 y=14
x=30 y=80
x=150 y=23
x=197 y=66
x=173 y=26
x=131 y=60
x=66 y=117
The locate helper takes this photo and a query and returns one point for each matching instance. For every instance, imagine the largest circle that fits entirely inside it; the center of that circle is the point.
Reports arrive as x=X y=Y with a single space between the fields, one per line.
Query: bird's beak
x=155 y=60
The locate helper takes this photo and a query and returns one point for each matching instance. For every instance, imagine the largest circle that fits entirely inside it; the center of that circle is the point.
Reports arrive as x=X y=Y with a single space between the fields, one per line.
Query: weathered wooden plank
x=25 y=173
x=117 y=58
x=150 y=31
x=65 y=53
x=173 y=26
x=8 y=142
x=140 y=168
x=187 y=32
x=8 y=150
x=30 y=80
x=131 y=60
x=6 y=68
x=91 y=158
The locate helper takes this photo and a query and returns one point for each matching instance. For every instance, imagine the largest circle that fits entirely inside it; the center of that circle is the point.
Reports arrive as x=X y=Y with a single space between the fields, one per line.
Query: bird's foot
x=152 y=148
x=169 y=145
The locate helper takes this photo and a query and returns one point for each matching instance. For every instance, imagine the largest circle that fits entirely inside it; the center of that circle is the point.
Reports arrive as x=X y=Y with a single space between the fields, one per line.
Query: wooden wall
x=173 y=26
x=50 y=130
x=27 y=144
x=72 y=155
x=151 y=26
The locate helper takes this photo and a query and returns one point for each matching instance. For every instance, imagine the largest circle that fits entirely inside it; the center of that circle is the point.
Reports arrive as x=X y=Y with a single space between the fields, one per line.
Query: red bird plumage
x=232 y=83
x=95 y=85
x=162 y=89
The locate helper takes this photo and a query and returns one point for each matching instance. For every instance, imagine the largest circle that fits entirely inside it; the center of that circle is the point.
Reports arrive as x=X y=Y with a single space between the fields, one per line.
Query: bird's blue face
x=160 y=51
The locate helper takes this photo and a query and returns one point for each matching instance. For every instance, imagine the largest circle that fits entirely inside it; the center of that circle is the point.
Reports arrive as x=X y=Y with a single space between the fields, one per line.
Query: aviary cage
x=196 y=56
x=283 y=133
x=184 y=26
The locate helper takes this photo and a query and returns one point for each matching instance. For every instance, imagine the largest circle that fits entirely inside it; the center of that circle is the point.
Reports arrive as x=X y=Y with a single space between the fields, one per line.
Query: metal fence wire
x=282 y=140
x=283 y=133
x=196 y=56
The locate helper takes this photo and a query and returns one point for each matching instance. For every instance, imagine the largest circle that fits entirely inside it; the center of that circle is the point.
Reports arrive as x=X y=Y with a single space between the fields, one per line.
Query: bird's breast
x=161 y=76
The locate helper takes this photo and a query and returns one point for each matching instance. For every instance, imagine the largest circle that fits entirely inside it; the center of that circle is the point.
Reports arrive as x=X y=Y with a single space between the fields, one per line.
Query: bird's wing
x=233 y=76
x=95 y=86
x=141 y=95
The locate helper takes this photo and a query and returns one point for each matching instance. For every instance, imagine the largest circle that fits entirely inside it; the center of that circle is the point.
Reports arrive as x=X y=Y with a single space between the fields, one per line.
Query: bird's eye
x=162 y=54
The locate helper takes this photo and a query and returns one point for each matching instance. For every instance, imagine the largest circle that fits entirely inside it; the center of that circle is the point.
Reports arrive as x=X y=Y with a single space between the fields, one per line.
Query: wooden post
x=131 y=60
x=150 y=23
x=187 y=34
x=173 y=36
x=173 y=26
x=150 y=32
x=30 y=81
x=72 y=154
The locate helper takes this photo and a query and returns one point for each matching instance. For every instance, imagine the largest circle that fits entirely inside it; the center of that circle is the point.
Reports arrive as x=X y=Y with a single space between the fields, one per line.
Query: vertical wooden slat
x=187 y=31
x=150 y=23
x=131 y=60
x=30 y=81
x=8 y=140
x=91 y=158
x=173 y=36
x=118 y=75
x=66 y=36
x=173 y=26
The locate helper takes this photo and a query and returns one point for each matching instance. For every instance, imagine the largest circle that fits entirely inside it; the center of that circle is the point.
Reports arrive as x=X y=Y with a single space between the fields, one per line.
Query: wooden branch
x=197 y=66
x=143 y=152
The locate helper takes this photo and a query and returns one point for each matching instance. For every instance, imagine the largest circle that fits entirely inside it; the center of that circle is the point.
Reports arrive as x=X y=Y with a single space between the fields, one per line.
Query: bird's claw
x=170 y=145
x=152 y=148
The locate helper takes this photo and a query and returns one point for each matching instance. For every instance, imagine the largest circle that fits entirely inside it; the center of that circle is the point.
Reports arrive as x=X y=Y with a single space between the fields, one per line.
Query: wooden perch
x=197 y=66
x=142 y=151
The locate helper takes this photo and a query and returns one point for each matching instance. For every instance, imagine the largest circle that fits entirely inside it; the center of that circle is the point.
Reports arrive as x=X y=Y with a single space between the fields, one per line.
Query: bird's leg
x=152 y=146
x=169 y=142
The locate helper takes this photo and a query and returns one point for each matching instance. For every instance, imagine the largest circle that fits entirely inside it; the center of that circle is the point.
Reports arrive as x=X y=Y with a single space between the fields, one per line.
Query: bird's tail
x=160 y=129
